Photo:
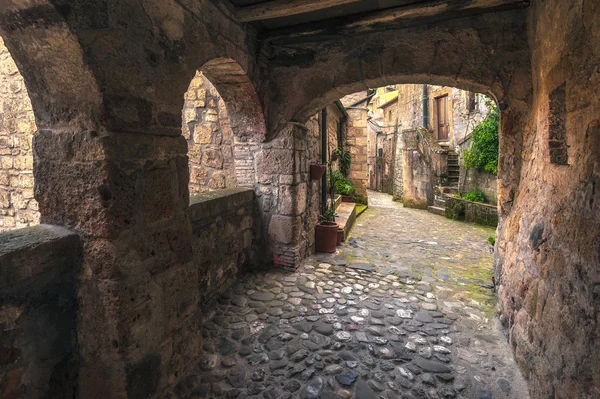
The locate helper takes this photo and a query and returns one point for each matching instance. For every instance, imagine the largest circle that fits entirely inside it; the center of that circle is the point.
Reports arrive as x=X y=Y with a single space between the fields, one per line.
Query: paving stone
x=431 y=366
x=347 y=378
x=262 y=296
x=364 y=391
x=362 y=266
x=313 y=389
x=326 y=323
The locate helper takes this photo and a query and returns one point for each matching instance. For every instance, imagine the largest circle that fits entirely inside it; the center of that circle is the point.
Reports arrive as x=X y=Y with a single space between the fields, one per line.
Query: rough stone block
x=284 y=229
x=275 y=161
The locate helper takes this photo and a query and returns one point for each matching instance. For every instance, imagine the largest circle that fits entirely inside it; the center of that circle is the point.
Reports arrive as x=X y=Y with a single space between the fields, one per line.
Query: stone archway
x=18 y=208
x=223 y=121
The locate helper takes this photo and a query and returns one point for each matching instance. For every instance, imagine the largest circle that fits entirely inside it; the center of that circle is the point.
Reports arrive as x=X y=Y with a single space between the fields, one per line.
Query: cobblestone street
x=405 y=309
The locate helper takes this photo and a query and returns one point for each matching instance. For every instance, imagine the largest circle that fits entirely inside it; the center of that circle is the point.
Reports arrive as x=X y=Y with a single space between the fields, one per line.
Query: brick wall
x=18 y=208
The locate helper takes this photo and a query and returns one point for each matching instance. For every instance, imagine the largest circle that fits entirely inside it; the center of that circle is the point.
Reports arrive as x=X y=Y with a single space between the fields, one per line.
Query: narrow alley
x=403 y=310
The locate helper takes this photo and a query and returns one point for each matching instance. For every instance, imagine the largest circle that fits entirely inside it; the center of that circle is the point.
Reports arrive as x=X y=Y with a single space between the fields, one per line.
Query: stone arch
x=207 y=130
x=242 y=102
x=224 y=123
x=18 y=208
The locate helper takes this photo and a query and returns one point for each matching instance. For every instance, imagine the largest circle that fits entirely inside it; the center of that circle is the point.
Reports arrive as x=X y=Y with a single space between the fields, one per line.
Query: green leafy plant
x=327 y=216
x=342 y=184
x=344 y=160
x=483 y=154
x=492 y=240
x=474 y=196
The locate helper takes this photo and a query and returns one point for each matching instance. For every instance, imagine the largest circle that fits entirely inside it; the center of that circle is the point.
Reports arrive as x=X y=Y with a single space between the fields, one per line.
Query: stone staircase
x=439 y=201
x=453 y=169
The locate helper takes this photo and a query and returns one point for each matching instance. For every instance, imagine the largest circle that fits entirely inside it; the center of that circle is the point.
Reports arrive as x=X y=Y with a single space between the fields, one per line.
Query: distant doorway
x=442 y=118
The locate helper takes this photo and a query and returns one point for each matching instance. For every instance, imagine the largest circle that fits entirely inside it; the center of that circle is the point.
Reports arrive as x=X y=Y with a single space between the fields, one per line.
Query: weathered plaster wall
x=207 y=129
x=18 y=208
x=38 y=309
x=416 y=173
x=548 y=251
x=473 y=179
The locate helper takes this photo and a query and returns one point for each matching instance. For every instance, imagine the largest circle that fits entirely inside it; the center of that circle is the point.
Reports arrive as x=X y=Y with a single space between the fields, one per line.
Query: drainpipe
x=324 y=158
x=425 y=107
x=376 y=159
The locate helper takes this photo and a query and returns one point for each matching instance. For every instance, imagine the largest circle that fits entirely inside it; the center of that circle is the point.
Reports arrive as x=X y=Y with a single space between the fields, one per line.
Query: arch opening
x=18 y=207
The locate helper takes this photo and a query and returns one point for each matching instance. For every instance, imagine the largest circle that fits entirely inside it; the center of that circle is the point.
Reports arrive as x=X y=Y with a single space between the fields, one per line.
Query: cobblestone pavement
x=404 y=310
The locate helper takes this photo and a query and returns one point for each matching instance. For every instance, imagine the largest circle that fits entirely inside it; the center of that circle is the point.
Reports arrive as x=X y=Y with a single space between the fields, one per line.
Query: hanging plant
x=344 y=158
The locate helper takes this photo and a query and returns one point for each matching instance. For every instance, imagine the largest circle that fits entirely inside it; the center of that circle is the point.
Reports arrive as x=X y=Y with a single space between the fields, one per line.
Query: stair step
x=440 y=203
x=437 y=210
x=345 y=216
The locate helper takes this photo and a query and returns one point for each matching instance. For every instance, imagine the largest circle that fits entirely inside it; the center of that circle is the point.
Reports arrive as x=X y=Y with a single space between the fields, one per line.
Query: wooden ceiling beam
x=285 y=8
x=393 y=18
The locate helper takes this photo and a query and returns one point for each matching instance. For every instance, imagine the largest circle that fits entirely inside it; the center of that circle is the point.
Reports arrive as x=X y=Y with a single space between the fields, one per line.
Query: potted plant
x=326 y=231
x=344 y=160
x=343 y=186
x=340 y=236
x=317 y=171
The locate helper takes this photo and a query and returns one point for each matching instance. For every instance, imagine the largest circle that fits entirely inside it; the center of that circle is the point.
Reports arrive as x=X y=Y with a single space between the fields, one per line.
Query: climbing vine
x=483 y=154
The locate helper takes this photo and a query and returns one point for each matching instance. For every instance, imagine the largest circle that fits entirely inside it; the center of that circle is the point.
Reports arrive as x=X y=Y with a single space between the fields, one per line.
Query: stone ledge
x=31 y=251
x=469 y=211
x=213 y=203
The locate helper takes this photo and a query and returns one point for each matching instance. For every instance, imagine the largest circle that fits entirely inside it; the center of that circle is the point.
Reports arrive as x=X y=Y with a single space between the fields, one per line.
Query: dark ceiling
x=354 y=8
x=300 y=20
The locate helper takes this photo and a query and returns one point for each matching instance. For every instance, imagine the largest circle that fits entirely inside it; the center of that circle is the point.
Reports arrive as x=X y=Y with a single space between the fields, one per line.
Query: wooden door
x=442 y=118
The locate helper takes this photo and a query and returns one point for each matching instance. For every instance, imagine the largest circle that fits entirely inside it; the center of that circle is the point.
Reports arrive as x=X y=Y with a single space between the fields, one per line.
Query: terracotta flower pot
x=340 y=236
x=317 y=171
x=346 y=198
x=326 y=237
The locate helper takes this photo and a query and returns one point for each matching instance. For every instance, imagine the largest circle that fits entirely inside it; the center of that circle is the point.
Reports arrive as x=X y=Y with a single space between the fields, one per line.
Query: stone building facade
x=18 y=208
x=462 y=111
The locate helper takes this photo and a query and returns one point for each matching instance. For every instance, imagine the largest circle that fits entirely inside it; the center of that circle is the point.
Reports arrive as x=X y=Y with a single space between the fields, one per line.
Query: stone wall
x=468 y=211
x=334 y=122
x=288 y=199
x=397 y=177
x=38 y=308
x=548 y=246
x=229 y=214
x=357 y=144
x=18 y=208
x=207 y=129
x=416 y=172
x=473 y=179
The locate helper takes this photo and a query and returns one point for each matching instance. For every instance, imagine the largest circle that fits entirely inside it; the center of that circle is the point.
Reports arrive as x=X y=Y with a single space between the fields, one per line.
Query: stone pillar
x=356 y=140
x=286 y=194
x=126 y=194
x=398 y=183
x=416 y=175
